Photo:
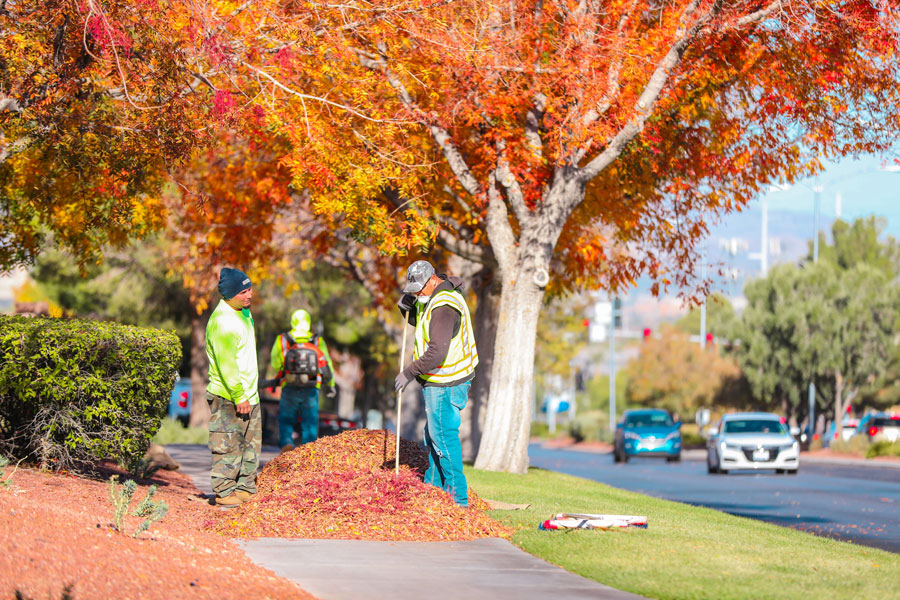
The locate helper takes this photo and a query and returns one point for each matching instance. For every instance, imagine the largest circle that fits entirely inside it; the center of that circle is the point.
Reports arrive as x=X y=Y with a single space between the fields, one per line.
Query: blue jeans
x=304 y=400
x=445 y=465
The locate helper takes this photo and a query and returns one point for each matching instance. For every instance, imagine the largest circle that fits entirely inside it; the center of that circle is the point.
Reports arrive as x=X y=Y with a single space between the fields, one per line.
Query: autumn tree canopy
x=568 y=143
x=565 y=144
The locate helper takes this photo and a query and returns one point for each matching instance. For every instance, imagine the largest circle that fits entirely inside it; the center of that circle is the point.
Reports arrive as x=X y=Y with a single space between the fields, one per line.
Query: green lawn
x=686 y=552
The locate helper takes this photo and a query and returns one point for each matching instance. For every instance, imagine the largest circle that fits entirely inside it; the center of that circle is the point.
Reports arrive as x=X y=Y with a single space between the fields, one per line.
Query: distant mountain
x=733 y=247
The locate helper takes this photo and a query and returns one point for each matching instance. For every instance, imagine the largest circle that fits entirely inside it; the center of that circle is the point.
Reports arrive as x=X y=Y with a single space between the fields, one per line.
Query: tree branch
x=651 y=91
x=503 y=240
x=533 y=125
x=455 y=159
x=465 y=248
x=507 y=179
x=7 y=149
x=758 y=16
x=10 y=105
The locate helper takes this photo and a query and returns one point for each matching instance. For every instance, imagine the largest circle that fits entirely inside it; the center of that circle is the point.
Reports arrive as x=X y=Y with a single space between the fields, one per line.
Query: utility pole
x=612 y=364
x=764 y=238
x=817 y=193
x=703 y=306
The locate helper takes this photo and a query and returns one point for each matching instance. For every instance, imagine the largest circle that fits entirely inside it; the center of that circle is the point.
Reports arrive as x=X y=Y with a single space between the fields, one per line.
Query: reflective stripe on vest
x=462 y=356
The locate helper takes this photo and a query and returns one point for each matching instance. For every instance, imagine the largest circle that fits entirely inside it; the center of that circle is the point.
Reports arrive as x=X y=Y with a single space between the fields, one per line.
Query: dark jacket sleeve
x=445 y=322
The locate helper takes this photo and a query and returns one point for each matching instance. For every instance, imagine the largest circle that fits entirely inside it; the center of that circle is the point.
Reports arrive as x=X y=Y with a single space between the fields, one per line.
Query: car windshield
x=884 y=422
x=648 y=420
x=754 y=426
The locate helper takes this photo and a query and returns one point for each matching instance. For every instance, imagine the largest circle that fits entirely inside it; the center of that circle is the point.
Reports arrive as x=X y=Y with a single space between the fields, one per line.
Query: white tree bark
x=508 y=417
x=524 y=275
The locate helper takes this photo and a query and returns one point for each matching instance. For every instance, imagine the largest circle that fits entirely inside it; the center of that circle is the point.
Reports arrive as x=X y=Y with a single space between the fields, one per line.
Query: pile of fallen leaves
x=345 y=487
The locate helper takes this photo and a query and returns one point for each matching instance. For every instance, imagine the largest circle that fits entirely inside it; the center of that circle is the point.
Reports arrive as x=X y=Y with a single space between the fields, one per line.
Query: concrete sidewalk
x=485 y=569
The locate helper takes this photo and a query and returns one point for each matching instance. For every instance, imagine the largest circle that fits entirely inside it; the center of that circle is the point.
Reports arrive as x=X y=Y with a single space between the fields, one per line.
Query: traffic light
x=586 y=323
x=617 y=313
x=709 y=338
x=647 y=332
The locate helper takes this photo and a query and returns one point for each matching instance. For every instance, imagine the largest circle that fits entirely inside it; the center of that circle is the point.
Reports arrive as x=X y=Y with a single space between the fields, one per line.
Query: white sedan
x=752 y=441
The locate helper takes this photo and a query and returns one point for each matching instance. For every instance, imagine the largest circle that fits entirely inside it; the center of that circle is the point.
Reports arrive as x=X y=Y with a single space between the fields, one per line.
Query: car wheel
x=710 y=467
x=779 y=471
x=676 y=458
x=792 y=471
x=616 y=456
x=624 y=458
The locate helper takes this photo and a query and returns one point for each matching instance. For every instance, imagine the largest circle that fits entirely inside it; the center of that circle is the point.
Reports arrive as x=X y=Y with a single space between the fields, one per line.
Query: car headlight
x=630 y=435
x=727 y=446
x=674 y=435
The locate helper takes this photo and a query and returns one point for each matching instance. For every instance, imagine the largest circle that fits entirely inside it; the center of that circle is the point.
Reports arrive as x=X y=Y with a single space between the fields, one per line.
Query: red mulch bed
x=344 y=487
x=57 y=530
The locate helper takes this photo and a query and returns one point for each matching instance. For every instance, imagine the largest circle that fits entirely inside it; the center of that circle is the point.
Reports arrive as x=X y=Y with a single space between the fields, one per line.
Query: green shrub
x=541 y=430
x=858 y=444
x=690 y=436
x=173 y=432
x=591 y=426
x=883 y=448
x=74 y=391
x=4 y=479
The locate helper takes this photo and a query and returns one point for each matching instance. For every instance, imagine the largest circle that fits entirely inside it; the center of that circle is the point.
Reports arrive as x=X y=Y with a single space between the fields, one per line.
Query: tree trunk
x=838 y=406
x=485 y=324
x=199 y=369
x=508 y=418
x=348 y=376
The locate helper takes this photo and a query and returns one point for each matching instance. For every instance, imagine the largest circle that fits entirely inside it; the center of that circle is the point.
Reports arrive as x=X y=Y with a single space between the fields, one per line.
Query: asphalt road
x=852 y=503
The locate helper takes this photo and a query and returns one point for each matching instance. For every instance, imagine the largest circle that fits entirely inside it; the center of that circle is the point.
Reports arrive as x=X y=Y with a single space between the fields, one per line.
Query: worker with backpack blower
x=302 y=363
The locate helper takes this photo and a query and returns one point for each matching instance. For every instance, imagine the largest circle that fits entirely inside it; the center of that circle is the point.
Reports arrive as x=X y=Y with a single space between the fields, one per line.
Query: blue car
x=180 y=401
x=647 y=432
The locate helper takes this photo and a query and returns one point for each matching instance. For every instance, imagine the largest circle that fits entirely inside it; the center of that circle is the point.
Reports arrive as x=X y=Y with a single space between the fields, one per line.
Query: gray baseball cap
x=417 y=275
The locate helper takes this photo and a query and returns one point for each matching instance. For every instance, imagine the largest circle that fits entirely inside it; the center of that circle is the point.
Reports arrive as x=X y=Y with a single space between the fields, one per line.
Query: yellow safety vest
x=462 y=356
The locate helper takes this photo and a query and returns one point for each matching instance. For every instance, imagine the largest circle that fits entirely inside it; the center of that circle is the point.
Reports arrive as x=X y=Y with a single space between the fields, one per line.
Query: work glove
x=407 y=302
x=330 y=392
x=401 y=381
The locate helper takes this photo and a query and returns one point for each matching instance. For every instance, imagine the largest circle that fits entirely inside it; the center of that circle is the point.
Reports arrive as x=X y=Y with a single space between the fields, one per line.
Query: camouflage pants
x=235 y=441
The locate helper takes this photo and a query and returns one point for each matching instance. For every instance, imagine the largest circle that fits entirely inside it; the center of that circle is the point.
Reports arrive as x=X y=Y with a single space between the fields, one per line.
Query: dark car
x=331 y=424
x=880 y=426
x=647 y=432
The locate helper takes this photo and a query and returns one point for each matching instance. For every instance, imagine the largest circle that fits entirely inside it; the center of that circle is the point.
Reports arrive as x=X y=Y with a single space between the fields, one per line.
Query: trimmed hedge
x=74 y=391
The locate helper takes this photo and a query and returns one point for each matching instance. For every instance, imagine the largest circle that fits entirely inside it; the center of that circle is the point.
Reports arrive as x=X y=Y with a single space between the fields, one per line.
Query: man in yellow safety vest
x=444 y=360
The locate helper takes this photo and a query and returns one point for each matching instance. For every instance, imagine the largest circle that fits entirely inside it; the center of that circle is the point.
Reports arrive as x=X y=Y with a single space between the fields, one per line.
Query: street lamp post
x=612 y=363
x=703 y=306
x=817 y=200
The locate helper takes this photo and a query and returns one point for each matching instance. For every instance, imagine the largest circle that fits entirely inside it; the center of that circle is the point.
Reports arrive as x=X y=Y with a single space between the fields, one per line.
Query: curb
x=856 y=462
x=700 y=454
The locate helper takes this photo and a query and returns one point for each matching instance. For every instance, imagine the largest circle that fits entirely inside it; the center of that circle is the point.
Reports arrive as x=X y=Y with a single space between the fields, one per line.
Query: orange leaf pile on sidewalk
x=345 y=487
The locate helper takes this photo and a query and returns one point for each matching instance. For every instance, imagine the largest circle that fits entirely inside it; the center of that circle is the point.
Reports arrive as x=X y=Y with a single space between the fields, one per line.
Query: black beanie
x=232 y=282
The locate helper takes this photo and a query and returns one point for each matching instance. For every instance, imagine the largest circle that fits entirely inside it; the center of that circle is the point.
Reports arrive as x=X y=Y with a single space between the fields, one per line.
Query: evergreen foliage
x=4 y=479
x=121 y=498
x=75 y=391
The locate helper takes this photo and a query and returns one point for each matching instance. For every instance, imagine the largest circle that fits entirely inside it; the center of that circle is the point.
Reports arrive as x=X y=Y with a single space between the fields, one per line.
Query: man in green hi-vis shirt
x=235 y=426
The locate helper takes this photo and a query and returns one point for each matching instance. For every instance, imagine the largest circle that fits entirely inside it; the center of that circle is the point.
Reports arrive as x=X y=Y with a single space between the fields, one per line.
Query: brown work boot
x=229 y=501
x=287 y=448
x=244 y=495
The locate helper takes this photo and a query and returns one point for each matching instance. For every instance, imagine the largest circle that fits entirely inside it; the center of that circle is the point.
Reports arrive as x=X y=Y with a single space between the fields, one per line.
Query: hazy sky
x=864 y=189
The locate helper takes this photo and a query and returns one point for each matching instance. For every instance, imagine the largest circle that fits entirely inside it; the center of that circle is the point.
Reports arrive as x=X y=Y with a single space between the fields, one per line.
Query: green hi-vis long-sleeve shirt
x=231 y=349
